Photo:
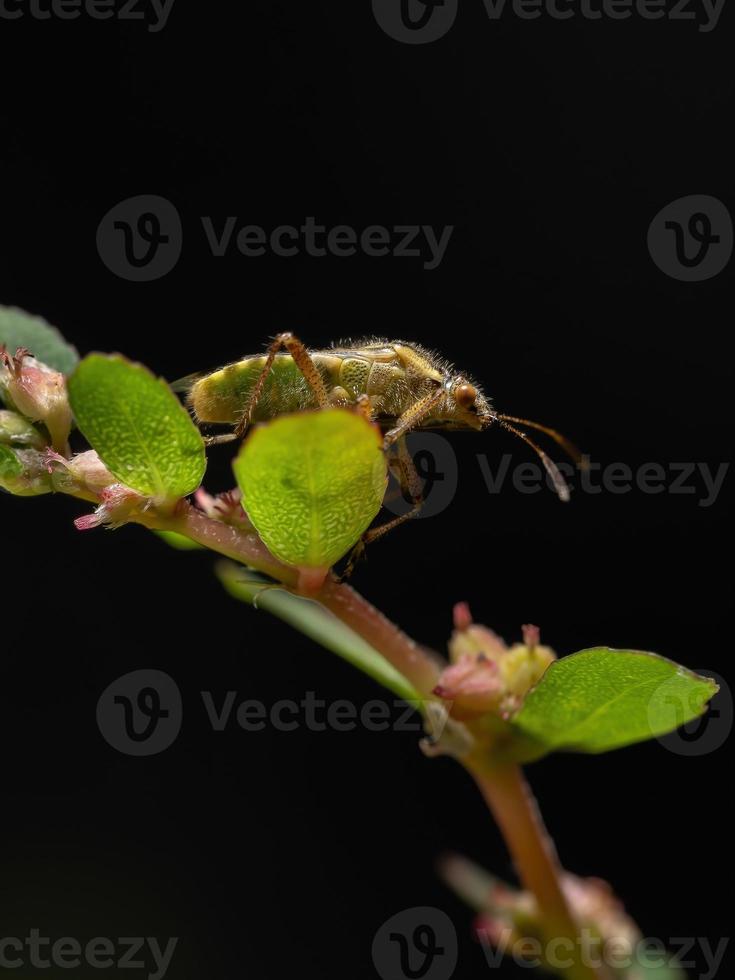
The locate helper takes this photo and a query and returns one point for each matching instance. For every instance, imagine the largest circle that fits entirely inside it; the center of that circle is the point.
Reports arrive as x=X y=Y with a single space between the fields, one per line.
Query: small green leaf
x=312 y=483
x=23 y=472
x=10 y=466
x=179 y=542
x=20 y=329
x=318 y=624
x=15 y=430
x=140 y=430
x=651 y=968
x=603 y=699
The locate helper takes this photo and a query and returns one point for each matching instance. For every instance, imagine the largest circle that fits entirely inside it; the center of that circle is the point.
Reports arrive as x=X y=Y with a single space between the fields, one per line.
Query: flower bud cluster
x=485 y=676
x=38 y=393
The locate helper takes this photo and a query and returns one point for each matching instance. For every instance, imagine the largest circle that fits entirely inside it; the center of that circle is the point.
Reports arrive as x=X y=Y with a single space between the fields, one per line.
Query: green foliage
x=19 y=329
x=312 y=483
x=179 y=542
x=316 y=622
x=10 y=465
x=15 y=430
x=652 y=969
x=141 y=431
x=602 y=699
x=23 y=472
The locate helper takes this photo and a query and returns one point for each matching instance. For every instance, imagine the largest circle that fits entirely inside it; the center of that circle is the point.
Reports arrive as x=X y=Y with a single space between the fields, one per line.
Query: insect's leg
x=411 y=485
x=413 y=416
x=364 y=407
x=303 y=362
x=220 y=439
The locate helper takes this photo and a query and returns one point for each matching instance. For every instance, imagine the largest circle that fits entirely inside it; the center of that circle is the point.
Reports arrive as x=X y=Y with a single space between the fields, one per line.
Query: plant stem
x=503 y=787
x=417 y=664
x=515 y=810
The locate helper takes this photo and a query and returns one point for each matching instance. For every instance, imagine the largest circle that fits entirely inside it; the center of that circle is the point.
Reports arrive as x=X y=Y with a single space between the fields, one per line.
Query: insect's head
x=468 y=407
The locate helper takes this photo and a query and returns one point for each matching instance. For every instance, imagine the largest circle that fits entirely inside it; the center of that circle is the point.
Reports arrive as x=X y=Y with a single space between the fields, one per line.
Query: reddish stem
x=515 y=810
x=504 y=789
x=419 y=665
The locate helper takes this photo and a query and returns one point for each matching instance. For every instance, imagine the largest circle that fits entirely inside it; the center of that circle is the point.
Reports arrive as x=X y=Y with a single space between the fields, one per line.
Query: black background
x=549 y=146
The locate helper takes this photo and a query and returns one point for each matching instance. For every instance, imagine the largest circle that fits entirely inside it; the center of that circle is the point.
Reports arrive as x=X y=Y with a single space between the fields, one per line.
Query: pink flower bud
x=473 y=686
x=486 y=676
x=462 y=616
x=508 y=918
x=596 y=906
x=38 y=392
x=531 y=635
x=83 y=472
x=475 y=640
x=118 y=503
x=225 y=507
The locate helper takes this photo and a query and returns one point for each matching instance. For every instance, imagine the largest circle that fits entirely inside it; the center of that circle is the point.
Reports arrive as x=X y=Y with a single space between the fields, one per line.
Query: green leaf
x=312 y=483
x=20 y=329
x=318 y=624
x=15 y=430
x=653 y=969
x=179 y=542
x=140 y=430
x=603 y=699
x=10 y=466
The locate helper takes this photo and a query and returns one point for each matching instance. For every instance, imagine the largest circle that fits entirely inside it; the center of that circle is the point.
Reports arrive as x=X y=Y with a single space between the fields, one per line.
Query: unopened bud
x=17 y=431
x=485 y=675
x=118 y=504
x=509 y=918
x=462 y=616
x=524 y=666
x=225 y=507
x=37 y=392
x=475 y=640
x=23 y=472
x=84 y=472
x=473 y=685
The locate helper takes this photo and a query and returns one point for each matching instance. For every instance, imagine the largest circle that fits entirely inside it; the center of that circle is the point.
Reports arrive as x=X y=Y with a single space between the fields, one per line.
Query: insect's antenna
x=569 y=448
x=560 y=484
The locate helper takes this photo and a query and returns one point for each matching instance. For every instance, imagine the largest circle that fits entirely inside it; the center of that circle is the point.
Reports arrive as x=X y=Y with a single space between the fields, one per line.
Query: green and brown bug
x=399 y=385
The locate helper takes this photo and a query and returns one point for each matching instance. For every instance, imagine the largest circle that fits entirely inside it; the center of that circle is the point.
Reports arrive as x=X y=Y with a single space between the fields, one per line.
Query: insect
x=398 y=385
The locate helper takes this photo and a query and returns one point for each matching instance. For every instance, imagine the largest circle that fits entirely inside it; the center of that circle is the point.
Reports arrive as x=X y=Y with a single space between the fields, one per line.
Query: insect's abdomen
x=223 y=395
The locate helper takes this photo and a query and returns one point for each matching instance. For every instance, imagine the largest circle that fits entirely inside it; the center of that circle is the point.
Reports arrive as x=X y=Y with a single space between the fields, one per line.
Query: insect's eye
x=465 y=395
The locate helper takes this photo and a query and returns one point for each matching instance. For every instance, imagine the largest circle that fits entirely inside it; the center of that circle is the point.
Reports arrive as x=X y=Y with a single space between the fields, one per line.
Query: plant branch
x=504 y=788
x=515 y=810
x=417 y=664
